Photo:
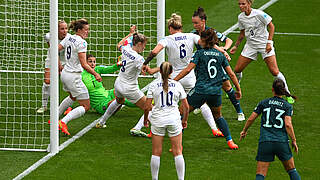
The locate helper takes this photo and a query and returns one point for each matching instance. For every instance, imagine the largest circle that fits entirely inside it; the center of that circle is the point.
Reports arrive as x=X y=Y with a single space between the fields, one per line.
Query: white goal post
x=23 y=50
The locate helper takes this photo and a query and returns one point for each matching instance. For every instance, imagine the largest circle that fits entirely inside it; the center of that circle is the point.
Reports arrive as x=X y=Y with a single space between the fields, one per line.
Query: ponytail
x=165 y=70
x=279 y=88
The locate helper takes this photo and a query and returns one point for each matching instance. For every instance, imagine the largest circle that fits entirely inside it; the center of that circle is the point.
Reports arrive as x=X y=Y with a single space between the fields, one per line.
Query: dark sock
x=234 y=101
x=259 y=177
x=294 y=175
x=224 y=128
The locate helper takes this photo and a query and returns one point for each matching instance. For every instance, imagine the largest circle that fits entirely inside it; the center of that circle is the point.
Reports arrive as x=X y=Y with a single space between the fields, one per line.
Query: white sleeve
x=139 y=63
x=163 y=42
x=195 y=38
x=150 y=90
x=82 y=47
x=264 y=17
x=241 y=27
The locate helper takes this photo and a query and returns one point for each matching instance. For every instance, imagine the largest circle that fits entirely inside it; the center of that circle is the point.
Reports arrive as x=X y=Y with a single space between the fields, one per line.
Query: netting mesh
x=23 y=24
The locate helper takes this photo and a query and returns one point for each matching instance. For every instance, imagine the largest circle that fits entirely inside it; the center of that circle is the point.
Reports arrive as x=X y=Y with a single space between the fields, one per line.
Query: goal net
x=23 y=50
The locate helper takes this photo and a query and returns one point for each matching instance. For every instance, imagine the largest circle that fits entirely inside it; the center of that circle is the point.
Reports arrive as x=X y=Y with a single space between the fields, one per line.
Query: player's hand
x=268 y=48
x=233 y=50
x=242 y=135
x=132 y=29
x=238 y=95
x=144 y=69
x=184 y=124
x=98 y=77
x=295 y=146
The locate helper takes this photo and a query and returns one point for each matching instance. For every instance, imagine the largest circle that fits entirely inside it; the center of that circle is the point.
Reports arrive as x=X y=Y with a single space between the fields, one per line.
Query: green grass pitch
x=112 y=153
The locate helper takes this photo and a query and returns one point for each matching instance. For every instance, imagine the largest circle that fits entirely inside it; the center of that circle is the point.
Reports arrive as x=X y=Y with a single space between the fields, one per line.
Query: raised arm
x=153 y=53
x=132 y=30
x=84 y=64
x=239 y=40
x=185 y=71
x=290 y=131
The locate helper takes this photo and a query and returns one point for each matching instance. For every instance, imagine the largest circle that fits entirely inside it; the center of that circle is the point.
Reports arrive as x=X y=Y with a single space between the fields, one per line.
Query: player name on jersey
x=275 y=102
x=72 y=39
x=210 y=53
x=179 y=38
x=169 y=85
x=128 y=55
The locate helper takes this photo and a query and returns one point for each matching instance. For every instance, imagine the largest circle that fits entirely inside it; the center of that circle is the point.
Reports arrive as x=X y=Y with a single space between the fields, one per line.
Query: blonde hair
x=165 y=71
x=175 y=21
x=250 y=1
x=75 y=25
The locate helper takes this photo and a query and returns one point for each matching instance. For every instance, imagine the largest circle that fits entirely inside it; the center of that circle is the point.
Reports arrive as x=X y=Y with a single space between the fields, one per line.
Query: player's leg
x=242 y=63
x=290 y=168
x=176 y=144
x=67 y=102
x=45 y=91
x=112 y=108
x=226 y=86
x=207 y=115
x=157 y=139
x=214 y=101
x=262 y=169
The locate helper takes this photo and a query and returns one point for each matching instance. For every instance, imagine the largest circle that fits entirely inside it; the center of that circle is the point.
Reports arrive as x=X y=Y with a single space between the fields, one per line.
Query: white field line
x=86 y=129
x=290 y=34
x=235 y=26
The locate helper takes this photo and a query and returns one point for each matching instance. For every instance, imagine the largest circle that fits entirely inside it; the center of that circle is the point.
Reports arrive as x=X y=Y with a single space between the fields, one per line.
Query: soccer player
x=275 y=126
x=165 y=117
x=75 y=48
x=199 y=20
x=209 y=65
x=126 y=84
x=62 y=33
x=254 y=25
x=179 y=47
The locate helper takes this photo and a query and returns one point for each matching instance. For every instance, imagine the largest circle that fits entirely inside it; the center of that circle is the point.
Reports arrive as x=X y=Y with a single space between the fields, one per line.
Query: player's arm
x=228 y=44
x=249 y=122
x=153 y=53
x=84 y=64
x=239 y=40
x=185 y=112
x=223 y=51
x=185 y=71
x=271 y=33
x=234 y=79
x=132 y=30
x=108 y=69
x=151 y=70
x=147 y=108
x=290 y=132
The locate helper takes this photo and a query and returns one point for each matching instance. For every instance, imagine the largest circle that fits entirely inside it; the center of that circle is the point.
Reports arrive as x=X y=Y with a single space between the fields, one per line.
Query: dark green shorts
x=197 y=100
x=267 y=151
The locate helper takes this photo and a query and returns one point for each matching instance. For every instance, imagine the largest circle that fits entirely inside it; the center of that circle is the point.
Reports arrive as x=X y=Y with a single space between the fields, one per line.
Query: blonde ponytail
x=165 y=71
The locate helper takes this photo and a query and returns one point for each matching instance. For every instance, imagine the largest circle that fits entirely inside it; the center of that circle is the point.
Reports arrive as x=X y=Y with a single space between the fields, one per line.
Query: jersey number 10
x=169 y=98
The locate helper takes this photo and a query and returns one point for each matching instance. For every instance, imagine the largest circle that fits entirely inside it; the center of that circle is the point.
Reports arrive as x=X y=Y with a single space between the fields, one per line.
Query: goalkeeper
x=100 y=98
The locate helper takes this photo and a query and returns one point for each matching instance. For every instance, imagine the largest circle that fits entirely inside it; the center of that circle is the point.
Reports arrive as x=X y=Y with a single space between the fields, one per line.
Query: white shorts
x=72 y=83
x=173 y=130
x=131 y=93
x=252 y=53
x=188 y=82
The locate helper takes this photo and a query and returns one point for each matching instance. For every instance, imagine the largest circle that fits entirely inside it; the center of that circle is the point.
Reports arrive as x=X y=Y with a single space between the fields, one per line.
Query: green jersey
x=209 y=70
x=97 y=92
x=273 y=112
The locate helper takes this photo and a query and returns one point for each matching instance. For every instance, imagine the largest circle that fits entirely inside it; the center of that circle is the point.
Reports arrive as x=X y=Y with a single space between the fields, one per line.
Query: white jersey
x=61 y=53
x=73 y=45
x=179 y=47
x=166 y=109
x=255 y=26
x=131 y=66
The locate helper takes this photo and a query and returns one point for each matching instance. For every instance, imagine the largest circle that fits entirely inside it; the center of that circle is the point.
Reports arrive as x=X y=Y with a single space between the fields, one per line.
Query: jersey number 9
x=68 y=52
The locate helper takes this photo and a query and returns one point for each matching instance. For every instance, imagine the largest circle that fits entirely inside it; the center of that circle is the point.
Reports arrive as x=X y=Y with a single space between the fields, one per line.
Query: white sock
x=281 y=76
x=111 y=109
x=180 y=166
x=155 y=165
x=140 y=123
x=207 y=115
x=45 y=94
x=75 y=113
x=67 y=102
x=239 y=76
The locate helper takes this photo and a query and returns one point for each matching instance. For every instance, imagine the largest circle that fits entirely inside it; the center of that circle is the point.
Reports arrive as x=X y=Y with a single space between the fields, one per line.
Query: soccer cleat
x=100 y=125
x=197 y=111
x=217 y=133
x=241 y=117
x=67 y=111
x=63 y=127
x=290 y=100
x=58 y=126
x=42 y=110
x=232 y=145
x=149 y=135
x=136 y=132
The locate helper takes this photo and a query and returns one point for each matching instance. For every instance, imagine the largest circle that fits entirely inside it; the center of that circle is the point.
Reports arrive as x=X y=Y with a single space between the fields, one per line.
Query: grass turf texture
x=112 y=153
